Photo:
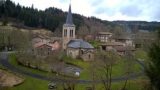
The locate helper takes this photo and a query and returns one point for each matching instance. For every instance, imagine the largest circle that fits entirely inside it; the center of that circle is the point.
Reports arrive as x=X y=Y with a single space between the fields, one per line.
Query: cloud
x=96 y=2
x=63 y=1
x=104 y=9
x=131 y=10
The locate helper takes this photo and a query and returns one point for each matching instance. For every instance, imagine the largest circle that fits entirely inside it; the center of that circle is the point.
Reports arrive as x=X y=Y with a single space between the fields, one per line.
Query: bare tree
x=93 y=75
x=128 y=68
x=107 y=60
x=69 y=83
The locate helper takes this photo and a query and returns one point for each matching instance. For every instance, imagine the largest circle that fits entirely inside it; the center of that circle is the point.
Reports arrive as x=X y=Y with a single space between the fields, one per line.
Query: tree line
x=51 y=18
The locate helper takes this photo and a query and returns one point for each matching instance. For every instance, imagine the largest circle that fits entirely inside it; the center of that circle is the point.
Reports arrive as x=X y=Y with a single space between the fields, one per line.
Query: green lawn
x=141 y=54
x=137 y=84
x=1 y=67
x=32 y=84
x=12 y=60
x=117 y=70
x=37 y=84
x=29 y=83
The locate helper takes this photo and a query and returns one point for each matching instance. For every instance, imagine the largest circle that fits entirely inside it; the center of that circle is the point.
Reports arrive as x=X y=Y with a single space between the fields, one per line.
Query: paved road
x=4 y=61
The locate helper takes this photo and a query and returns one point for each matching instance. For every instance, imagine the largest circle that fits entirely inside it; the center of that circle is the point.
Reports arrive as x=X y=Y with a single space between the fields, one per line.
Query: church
x=75 y=48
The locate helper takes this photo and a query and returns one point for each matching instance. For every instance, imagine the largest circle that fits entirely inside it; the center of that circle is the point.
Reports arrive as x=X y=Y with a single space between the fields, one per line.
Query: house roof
x=79 y=43
x=37 y=45
x=52 y=45
x=113 y=44
x=124 y=37
x=106 y=33
x=122 y=48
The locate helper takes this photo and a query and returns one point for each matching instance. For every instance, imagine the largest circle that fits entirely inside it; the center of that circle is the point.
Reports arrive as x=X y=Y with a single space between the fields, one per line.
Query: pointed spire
x=69 y=16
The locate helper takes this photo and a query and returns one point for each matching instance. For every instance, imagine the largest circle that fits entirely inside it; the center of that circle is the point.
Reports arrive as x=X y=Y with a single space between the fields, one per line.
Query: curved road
x=4 y=61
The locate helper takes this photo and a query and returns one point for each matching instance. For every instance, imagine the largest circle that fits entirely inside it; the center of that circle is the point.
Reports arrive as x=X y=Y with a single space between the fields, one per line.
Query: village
x=60 y=54
x=73 y=60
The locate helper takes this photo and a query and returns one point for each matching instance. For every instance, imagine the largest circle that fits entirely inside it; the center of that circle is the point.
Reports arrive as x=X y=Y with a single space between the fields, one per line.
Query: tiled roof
x=106 y=33
x=40 y=44
x=79 y=43
x=122 y=48
x=113 y=44
x=125 y=37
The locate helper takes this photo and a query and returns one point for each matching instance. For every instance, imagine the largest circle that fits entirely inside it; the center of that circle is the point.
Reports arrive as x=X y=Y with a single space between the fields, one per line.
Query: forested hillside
x=140 y=25
x=51 y=18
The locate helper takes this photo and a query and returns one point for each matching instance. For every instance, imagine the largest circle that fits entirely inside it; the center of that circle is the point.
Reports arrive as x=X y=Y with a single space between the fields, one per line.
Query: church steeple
x=69 y=16
x=68 y=32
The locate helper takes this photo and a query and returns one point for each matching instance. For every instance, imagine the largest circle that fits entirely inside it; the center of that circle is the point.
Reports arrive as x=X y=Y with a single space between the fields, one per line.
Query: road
x=5 y=62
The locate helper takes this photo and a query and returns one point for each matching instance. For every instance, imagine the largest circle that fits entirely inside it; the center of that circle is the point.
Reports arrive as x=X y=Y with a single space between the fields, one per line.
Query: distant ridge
x=53 y=19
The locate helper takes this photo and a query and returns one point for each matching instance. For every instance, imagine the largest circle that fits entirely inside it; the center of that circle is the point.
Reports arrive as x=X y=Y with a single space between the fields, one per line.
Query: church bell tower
x=68 y=32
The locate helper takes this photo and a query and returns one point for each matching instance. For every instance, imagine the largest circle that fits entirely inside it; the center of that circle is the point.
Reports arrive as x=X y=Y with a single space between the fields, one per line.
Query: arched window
x=82 y=52
x=65 y=32
x=89 y=56
x=71 y=33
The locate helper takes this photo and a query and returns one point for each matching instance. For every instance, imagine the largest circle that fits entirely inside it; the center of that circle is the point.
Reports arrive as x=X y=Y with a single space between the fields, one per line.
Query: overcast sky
x=148 y=10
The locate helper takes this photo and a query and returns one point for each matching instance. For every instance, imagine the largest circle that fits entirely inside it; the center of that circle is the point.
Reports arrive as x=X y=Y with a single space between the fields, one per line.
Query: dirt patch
x=8 y=79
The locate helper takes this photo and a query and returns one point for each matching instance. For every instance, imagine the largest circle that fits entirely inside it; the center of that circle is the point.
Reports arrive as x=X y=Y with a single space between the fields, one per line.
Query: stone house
x=119 y=47
x=103 y=36
x=125 y=39
x=40 y=38
x=45 y=49
x=122 y=50
x=110 y=45
x=42 y=49
x=78 y=48
x=56 y=45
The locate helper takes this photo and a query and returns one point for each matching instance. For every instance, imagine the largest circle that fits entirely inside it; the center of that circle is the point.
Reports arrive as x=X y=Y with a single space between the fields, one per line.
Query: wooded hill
x=53 y=19
x=140 y=25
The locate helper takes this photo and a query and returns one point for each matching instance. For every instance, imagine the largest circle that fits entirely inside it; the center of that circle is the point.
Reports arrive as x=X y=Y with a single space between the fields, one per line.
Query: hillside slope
x=51 y=18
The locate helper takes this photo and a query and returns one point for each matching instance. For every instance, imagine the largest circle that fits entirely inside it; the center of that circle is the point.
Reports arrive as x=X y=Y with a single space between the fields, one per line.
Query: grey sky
x=104 y=9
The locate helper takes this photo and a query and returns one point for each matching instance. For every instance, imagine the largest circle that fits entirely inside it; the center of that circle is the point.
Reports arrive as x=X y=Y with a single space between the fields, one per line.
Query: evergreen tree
x=153 y=68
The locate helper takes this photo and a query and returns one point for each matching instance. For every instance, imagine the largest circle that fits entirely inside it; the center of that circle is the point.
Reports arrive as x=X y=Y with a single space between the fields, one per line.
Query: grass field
x=32 y=84
x=141 y=54
x=117 y=70
x=37 y=84
x=137 y=84
x=14 y=62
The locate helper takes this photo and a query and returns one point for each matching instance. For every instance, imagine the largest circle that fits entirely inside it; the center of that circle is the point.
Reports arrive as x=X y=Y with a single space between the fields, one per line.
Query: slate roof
x=122 y=48
x=79 y=43
x=37 y=45
x=105 y=33
x=113 y=44
x=69 y=20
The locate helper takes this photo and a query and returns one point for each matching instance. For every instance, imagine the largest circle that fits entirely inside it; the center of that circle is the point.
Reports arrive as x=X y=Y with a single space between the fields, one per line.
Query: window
x=82 y=52
x=70 y=53
x=71 y=33
x=65 y=32
x=89 y=56
x=104 y=48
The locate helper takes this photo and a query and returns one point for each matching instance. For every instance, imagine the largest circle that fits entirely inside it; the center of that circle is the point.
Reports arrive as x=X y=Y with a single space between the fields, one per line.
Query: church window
x=71 y=33
x=65 y=32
